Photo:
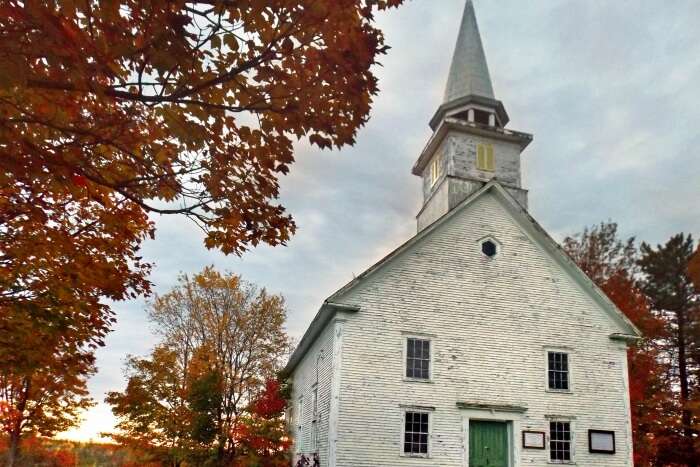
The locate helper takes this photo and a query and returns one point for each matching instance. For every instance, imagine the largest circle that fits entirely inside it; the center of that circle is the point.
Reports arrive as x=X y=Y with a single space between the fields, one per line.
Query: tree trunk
x=686 y=416
x=16 y=433
x=13 y=449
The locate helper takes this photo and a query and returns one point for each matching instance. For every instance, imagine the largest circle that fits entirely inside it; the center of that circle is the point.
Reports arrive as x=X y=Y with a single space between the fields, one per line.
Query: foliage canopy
x=207 y=393
x=111 y=111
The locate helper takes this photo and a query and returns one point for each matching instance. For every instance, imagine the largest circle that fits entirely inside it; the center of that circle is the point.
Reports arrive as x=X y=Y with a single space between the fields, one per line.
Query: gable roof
x=333 y=304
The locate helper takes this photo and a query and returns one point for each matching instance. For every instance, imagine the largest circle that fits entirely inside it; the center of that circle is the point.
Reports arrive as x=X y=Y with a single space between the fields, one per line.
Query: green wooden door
x=488 y=444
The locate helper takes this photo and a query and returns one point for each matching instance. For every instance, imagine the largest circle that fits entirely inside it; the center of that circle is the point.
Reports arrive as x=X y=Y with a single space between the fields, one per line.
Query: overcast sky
x=610 y=90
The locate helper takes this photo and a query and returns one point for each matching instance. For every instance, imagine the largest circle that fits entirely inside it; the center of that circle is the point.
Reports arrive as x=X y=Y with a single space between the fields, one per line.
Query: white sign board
x=602 y=441
x=533 y=440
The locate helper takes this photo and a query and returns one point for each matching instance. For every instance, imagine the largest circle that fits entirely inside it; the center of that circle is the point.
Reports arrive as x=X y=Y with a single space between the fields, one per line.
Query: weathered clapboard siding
x=457 y=156
x=491 y=321
x=319 y=354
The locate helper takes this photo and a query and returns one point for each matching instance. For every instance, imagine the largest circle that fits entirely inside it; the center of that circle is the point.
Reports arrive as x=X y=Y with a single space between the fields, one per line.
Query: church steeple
x=470 y=144
x=469 y=72
x=469 y=91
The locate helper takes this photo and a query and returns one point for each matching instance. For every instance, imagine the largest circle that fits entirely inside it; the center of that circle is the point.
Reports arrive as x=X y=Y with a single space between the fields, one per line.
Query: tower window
x=481 y=116
x=485 y=158
x=435 y=170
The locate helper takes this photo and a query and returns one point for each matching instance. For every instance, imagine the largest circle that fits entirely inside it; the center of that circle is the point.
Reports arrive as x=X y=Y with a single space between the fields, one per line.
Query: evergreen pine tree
x=666 y=283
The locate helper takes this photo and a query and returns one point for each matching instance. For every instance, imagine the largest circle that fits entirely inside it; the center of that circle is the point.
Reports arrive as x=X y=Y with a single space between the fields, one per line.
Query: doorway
x=488 y=444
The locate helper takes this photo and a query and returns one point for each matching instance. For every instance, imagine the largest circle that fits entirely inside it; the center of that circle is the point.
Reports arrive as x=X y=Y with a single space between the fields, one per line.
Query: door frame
x=512 y=421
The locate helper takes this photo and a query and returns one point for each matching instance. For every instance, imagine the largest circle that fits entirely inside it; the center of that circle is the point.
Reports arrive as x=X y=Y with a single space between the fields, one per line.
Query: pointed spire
x=469 y=73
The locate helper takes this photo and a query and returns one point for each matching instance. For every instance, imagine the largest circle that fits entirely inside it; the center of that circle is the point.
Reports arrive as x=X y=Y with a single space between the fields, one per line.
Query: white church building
x=476 y=343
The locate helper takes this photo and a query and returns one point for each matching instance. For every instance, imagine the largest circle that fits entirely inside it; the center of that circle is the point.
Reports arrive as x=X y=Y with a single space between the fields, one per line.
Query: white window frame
x=572 y=441
x=422 y=410
x=404 y=353
x=570 y=361
x=490 y=238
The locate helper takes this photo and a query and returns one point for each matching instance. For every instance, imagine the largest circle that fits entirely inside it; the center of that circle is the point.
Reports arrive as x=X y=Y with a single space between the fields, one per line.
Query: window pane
x=416 y=433
x=560 y=441
x=418 y=358
x=558 y=370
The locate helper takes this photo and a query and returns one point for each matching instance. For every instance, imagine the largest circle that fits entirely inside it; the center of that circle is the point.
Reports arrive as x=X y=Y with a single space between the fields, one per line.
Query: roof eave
x=558 y=252
x=454 y=104
x=325 y=314
x=628 y=338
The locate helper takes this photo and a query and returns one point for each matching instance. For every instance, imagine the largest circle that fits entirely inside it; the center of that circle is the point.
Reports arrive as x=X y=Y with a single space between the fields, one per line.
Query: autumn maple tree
x=653 y=287
x=40 y=453
x=181 y=107
x=694 y=269
x=612 y=263
x=261 y=433
x=114 y=111
x=207 y=392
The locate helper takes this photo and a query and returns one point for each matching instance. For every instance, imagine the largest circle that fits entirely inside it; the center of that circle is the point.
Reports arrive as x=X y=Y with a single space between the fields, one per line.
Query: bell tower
x=470 y=144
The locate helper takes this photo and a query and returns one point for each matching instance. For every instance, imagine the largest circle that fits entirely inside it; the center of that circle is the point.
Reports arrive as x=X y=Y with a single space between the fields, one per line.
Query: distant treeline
x=46 y=452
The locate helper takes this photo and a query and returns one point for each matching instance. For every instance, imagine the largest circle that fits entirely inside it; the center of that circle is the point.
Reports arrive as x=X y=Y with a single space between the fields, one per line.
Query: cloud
x=609 y=89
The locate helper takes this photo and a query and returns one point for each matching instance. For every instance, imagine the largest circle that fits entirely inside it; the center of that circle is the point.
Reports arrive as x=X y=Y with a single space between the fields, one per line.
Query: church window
x=481 y=116
x=416 y=433
x=417 y=358
x=435 y=170
x=560 y=442
x=489 y=248
x=558 y=371
x=485 y=158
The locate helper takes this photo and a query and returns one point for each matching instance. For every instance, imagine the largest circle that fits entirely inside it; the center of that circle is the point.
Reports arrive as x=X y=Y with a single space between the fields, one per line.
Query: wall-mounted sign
x=601 y=442
x=533 y=440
